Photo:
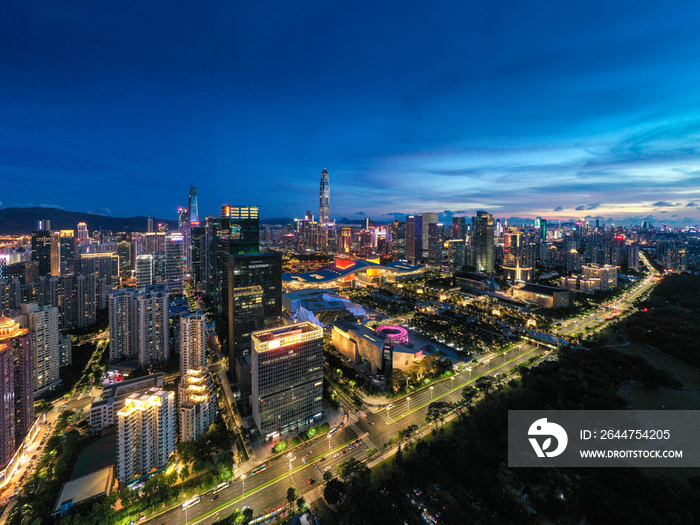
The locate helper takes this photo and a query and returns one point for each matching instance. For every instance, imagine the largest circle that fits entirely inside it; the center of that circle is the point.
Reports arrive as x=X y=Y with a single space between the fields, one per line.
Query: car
x=336 y=455
x=309 y=453
x=216 y=497
x=370 y=422
x=345 y=451
x=417 y=492
x=327 y=468
x=323 y=459
x=312 y=480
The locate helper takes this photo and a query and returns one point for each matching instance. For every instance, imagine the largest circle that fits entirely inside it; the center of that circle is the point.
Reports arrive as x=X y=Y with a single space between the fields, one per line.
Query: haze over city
x=548 y=109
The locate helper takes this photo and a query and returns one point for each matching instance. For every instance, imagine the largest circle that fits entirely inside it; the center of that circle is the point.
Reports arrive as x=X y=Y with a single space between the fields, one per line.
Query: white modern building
x=197 y=403
x=144 y=271
x=175 y=262
x=287 y=377
x=146 y=433
x=193 y=341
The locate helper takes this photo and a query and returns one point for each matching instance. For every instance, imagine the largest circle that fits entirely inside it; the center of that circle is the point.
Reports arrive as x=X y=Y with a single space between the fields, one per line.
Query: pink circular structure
x=394 y=335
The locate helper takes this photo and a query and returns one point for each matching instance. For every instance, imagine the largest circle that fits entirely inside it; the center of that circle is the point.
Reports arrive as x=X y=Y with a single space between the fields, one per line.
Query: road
x=622 y=304
x=386 y=423
x=268 y=489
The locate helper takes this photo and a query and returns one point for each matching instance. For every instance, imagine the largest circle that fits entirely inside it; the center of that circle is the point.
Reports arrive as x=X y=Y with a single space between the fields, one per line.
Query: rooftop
x=87 y=487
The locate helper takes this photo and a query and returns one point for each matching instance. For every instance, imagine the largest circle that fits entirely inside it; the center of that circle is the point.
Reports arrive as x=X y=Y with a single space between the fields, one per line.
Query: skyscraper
x=42 y=252
x=153 y=331
x=246 y=274
x=459 y=228
x=193 y=205
x=324 y=211
x=414 y=238
x=67 y=252
x=83 y=239
x=144 y=271
x=193 y=342
x=287 y=377
x=484 y=242
x=42 y=322
x=436 y=242
x=427 y=220
x=197 y=408
x=175 y=263
x=122 y=321
x=146 y=431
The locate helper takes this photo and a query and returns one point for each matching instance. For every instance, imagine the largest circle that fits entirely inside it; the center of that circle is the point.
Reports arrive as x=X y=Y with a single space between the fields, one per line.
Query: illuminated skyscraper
x=42 y=322
x=197 y=403
x=484 y=242
x=44 y=252
x=175 y=263
x=324 y=211
x=193 y=205
x=67 y=252
x=83 y=239
x=146 y=431
x=287 y=377
x=193 y=342
x=427 y=220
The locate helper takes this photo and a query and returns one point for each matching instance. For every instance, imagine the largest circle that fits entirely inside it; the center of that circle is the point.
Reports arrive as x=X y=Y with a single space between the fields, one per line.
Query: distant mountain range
x=16 y=221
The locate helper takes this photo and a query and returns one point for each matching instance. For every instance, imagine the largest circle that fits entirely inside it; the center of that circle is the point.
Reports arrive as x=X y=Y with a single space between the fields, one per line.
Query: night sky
x=549 y=108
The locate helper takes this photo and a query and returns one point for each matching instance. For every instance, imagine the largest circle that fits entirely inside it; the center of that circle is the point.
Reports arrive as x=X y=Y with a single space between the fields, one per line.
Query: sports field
x=96 y=455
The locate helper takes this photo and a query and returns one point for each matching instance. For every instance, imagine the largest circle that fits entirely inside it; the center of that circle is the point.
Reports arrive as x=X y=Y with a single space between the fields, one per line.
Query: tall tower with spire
x=193 y=205
x=324 y=212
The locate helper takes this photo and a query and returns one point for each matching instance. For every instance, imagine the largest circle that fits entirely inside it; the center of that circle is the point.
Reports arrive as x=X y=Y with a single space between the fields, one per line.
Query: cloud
x=360 y=213
x=599 y=217
x=663 y=204
x=690 y=204
x=558 y=208
x=586 y=207
x=580 y=208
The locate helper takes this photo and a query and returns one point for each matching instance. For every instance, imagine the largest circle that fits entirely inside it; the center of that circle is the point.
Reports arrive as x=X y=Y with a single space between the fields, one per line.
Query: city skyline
x=554 y=110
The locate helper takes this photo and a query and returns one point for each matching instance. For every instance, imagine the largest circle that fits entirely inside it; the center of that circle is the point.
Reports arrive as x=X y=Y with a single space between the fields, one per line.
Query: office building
x=427 y=220
x=67 y=250
x=484 y=242
x=247 y=316
x=193 y=341
x=103 y=265
x=324 y=210
x=193 y=205
x=198 y=254
x=197 y=407
x=154 y=242
x=436 y=242
x=455 y=254
x=397 y=231
x=414 y=239
x=606 y=273
x=146 y=431
x=459 y=228
x=357 y=342
x=175 y=263
x=243 y=225
x=246 y=271
x=83 y=238
x=45 y=250
x=287 y=377
x=144 y=271
x=546 y=296
x=42 y=322
x=516 y=267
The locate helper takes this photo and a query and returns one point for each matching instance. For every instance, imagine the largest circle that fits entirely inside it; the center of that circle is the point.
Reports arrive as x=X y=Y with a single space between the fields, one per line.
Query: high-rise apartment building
x=427 y=219
x=122 y=325
x=436 y=242
x=152 y=325
x=42 y=322
x=175 y=263
x=484 y=242
x=197 y=407
x=146 y=431
x=287 y=377
x=455 y=257
x=397 y=231
x=193 y=341
x=17 y=386
x=198 y=254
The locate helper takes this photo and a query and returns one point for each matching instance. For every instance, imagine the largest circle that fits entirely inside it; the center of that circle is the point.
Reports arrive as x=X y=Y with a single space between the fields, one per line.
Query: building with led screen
x=287 y=377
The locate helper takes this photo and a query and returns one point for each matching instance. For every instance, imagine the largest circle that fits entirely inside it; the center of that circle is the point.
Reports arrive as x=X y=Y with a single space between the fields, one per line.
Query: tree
x=334 y=491
x=292 y=495
x=469 y=393
x=398 y=458
x=436 y=412
x=485 y=383
x=301 y=505
x=356 y=475
x=327 y=475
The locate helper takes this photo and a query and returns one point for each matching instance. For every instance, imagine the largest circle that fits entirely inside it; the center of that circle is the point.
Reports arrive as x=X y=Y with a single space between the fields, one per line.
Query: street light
x=408 y=403
x=329 y=443
x=431 y=394
x=452 y=382
x=387 y=414
x=243 y=478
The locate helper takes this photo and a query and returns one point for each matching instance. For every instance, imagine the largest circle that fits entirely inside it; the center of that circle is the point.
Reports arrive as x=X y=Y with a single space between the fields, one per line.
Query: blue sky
x=557 y=109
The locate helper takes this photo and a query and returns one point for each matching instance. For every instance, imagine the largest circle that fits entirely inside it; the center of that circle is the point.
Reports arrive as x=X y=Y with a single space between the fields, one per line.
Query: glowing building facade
x=197 y=408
